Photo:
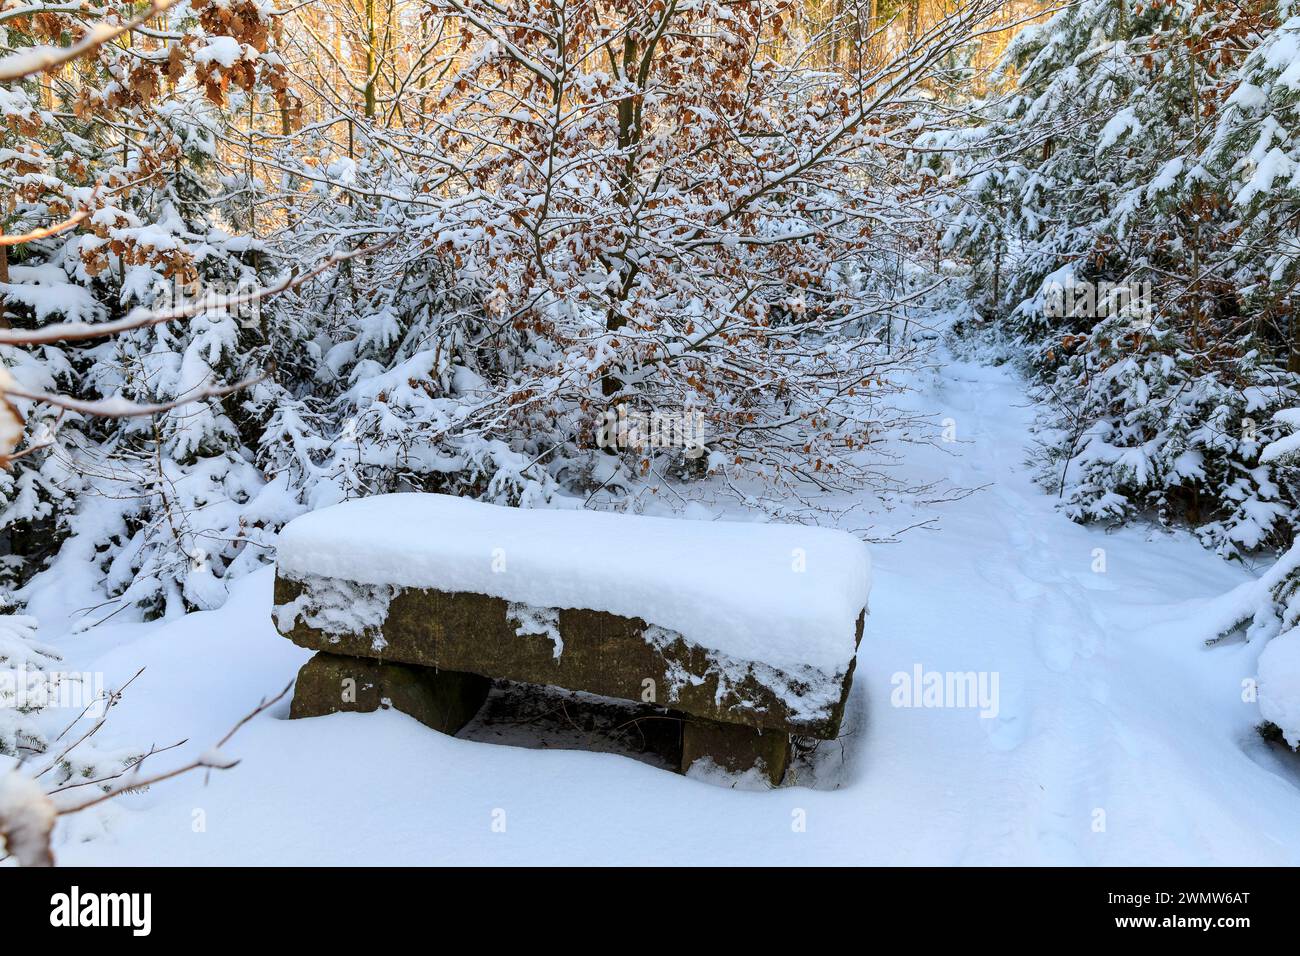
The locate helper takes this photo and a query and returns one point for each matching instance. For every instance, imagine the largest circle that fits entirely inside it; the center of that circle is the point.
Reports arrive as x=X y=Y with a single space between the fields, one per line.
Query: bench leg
x=443 y=700
x=735 y=748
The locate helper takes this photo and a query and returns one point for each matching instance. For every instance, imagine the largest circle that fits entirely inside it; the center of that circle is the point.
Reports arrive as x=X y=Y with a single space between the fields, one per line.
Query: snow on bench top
x=786 y=595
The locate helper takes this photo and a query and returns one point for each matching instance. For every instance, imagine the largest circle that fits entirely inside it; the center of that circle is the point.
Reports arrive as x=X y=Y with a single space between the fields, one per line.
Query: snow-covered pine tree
x=406 y=385
x=1255 y=150
x=1268 y=610
x=1161 y=409
x=172 y=497
x=163 y=509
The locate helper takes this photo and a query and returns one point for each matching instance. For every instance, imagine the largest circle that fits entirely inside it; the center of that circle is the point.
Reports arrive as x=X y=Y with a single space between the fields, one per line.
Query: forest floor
x=1119 y=736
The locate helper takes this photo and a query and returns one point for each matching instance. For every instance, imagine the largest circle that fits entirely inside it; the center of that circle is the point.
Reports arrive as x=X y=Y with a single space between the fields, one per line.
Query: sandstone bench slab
x=737 y=623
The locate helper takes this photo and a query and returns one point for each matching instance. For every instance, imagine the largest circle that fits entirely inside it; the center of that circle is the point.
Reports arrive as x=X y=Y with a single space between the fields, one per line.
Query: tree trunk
x=371 y=39
x=628 y=139
x=1293 y=357
x=4 y=277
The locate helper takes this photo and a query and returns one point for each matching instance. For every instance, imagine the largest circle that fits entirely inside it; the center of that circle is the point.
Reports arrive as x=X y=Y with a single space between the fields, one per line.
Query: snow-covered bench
x=748 y=630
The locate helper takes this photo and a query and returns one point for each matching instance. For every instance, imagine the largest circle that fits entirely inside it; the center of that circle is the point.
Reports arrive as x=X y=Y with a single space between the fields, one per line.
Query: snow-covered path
x=1119 y=738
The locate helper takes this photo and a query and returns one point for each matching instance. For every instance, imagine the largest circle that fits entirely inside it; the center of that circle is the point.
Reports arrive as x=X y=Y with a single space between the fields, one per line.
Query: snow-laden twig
x=123 y=408
x=28 y=812
x=18 y=66
x=140 y=318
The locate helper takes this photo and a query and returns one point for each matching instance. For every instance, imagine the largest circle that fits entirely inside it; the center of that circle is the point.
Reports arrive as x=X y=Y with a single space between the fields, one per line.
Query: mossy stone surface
x=735 y=748
x=441 y=699
x=604 y=654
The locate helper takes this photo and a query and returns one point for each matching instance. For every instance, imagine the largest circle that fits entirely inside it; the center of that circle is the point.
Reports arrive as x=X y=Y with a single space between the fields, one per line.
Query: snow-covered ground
x=1119 y=737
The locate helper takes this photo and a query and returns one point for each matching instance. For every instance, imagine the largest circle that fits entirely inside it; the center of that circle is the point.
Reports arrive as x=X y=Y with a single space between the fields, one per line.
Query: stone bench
x=747 y=631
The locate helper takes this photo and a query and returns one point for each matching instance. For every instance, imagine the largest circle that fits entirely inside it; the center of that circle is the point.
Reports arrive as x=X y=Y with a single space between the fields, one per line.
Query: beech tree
x=687 y=211
x=655 y=205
